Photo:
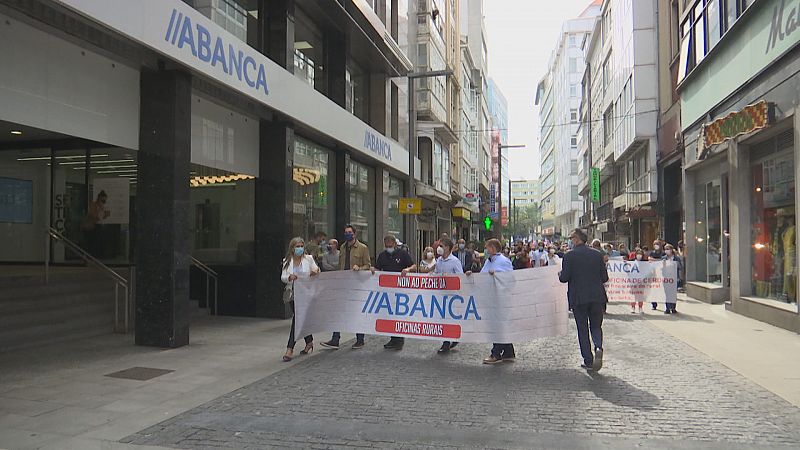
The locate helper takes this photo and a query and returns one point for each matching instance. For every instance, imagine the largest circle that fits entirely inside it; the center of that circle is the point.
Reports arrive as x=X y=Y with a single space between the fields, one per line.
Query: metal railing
x=210 y=275
x=119 y=280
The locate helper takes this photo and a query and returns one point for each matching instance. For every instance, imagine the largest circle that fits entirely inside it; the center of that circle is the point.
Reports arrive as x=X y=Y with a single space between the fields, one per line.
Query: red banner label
x=420 y=282
x=444 y=331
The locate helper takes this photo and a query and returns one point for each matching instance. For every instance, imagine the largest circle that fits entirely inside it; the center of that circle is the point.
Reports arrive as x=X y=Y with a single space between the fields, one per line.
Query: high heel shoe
x=287 y=356
x=309 y=348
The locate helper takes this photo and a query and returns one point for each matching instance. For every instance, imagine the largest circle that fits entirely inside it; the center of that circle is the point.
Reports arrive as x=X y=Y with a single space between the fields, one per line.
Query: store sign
x=492 y=199
x=410 y=206
x=751 y=118
x=595 y=184
x=461 y=213
x=183 y=34
x=784 y=24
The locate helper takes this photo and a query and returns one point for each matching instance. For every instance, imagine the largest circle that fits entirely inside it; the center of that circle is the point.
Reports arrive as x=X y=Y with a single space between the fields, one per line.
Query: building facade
x=739 y=75
x=498 y=190
x=525 y=193
x=621 y=113
x=157 y=133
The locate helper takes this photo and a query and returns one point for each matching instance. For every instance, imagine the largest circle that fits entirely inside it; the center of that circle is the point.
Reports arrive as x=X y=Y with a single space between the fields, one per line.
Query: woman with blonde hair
x=297 y=264
x=428 y=261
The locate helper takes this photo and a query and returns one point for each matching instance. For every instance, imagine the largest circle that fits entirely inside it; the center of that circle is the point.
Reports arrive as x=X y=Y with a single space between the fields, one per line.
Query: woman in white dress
x=296 y=265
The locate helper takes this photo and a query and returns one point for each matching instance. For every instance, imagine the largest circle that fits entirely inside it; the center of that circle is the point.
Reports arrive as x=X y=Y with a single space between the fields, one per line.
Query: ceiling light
x=303 y=45
x=16 y=132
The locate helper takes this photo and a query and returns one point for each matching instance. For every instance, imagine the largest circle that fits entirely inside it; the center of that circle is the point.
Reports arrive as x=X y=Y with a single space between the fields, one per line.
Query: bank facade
x=214 y=131
x=739 y=82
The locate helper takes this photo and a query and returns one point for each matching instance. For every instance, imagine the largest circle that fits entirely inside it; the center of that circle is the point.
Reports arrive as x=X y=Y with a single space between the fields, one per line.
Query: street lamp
x=500 y=148
x=411 y=234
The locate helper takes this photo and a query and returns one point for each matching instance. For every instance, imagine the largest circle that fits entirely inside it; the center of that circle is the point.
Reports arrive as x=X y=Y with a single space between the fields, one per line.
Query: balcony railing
x=585 y=220
x=605 y=212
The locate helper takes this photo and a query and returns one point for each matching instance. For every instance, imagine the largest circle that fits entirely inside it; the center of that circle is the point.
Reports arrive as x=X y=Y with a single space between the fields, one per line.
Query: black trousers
x=589 y=319
x=500 y=350
x=309 y=339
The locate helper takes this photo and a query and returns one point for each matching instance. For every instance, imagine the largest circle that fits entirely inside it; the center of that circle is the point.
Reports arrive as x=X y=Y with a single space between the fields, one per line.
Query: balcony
x=640 y=192
x=583 y=182
x=431 y=193
x=605 y=212
x=585 y=221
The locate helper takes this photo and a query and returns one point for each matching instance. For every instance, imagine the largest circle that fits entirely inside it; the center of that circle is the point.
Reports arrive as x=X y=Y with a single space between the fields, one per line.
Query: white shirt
x=307 y=265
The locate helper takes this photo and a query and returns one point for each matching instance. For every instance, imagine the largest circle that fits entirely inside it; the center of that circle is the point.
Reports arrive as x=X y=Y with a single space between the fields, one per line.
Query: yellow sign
x=410 y=205
x=461 y=213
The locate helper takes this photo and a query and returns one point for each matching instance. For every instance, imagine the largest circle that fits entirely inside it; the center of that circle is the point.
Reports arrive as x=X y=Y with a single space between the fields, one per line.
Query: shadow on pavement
x=621 y=393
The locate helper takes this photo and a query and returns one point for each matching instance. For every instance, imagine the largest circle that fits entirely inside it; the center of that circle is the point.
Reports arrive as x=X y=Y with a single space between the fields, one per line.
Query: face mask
x=552 y=250
x=541 y=249
x=440 y=251
x=461 y=246
x=429 y=255
x=669 y=252
x=656 y=247
x=298 y=251
x=390 y=250
x=349 y=236
x=638 y=257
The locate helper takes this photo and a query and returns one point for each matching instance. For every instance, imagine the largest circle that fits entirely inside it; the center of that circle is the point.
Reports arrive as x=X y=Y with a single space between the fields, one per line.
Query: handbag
x=288 y=293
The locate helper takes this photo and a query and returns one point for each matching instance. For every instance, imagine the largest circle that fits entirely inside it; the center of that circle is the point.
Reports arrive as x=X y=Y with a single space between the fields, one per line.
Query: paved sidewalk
x=764 y=354
x=58 y=396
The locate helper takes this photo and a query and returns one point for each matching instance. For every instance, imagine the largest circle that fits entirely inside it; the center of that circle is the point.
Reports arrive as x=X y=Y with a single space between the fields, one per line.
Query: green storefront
x=739 y=81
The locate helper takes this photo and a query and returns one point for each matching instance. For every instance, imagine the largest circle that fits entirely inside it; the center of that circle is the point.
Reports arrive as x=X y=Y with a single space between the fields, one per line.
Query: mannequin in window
x=788 y=239
x=776 y=248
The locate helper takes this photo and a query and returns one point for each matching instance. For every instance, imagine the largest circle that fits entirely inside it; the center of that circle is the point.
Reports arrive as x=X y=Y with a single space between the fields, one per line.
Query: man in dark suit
x=583 y=268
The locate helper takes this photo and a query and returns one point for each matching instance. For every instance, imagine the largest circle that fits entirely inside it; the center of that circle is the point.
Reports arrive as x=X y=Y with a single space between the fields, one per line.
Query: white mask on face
x=429 y=255
x=656 y=247
x=440 y=251
x=638 y=257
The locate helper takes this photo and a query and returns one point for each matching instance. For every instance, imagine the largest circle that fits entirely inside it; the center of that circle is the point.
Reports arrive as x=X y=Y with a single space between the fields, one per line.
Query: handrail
x=118 y=279
x=210 y=274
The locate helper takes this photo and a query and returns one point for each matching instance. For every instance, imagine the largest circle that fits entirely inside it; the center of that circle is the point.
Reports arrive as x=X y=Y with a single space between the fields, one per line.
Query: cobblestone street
x=654 y=392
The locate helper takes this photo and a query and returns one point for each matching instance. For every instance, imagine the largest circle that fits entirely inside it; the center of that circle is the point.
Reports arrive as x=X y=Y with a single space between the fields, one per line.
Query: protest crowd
x=581 y=264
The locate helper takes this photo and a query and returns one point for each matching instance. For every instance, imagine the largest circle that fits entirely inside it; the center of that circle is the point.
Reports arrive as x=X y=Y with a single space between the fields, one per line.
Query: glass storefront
x=774 y=238
x=313 y=190
x=392 y=192
x=361 y=180
x=222 y=208
x=708 y=237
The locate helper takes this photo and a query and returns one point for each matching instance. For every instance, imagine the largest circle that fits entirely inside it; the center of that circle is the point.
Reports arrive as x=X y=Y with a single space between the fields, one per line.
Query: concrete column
x=273 y=215
x=379 y=102
x=689 y=199
x=162 y=210
x=739 y=202
x=280 y=32
x=342 y=192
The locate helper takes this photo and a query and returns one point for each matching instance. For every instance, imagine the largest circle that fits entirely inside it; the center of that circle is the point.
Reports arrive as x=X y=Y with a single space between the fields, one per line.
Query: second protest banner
x=642 y=281
x=504 y=307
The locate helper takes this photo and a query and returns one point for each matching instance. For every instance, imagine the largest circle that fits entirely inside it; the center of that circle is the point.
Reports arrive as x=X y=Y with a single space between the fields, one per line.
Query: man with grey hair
x=586 y=273
x=330 y=260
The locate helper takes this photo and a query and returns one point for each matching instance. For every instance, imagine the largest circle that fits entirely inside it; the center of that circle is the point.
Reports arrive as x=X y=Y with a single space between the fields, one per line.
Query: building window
x=575 y=196
x=573 y=167
x=573 y=65
x=573 y=142
x=573 y=90
x=393 y=191
x=774 y=237
x=312 y=189
x=608 y=126
x=361 y=181
x=573 y=115
x=572 y=40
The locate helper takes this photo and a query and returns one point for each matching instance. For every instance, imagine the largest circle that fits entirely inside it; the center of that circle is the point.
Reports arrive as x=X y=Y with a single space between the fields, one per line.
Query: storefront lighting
x=47 y=158
x=758 y=189
x=110 y=161
x=699 y=239
x=16 y=132
x=197 y=181
x=759 y=246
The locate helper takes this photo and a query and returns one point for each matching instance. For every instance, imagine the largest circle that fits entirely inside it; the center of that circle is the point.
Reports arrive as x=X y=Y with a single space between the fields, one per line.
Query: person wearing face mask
x=623 y=251
x=638 y=255
x=464 y=255
x=497 y=262
x=550 y=258
x=656 y=255
x=537 y=254
x=297 y=264
x=671 y=255
x=394 y=259
x=314 y=247
x=354 y=255
x=330 y=260
x=447 y=263
x=428 y=261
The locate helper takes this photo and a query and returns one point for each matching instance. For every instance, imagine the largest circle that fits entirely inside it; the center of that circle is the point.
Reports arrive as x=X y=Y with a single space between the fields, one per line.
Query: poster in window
x=112 y=196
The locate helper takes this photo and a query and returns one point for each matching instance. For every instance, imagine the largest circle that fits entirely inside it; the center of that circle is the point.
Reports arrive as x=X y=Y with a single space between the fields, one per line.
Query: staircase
x=76 y=303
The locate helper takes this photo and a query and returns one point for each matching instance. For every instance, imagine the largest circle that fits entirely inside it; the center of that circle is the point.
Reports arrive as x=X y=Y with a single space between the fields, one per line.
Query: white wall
x=49 y=83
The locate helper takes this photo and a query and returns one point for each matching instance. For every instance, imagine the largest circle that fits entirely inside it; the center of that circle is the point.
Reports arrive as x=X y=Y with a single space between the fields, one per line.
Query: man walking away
x=584 y=271
x=394 y=259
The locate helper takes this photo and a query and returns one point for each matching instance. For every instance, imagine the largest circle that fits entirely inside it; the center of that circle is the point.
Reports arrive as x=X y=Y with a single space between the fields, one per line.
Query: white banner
x=507 y=307
x=642 y=281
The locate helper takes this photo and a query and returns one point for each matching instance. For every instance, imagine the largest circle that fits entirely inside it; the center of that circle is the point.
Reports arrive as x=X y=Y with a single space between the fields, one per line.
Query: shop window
x=393 y=191
x=313 y=192
x=361 y=180
x=774 y=238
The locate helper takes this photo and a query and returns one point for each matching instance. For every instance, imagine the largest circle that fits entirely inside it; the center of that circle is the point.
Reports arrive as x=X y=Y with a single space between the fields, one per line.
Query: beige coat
x=359 y=256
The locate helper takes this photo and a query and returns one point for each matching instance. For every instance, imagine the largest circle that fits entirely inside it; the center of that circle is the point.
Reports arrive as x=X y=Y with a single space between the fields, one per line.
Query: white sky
x=521 y=34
